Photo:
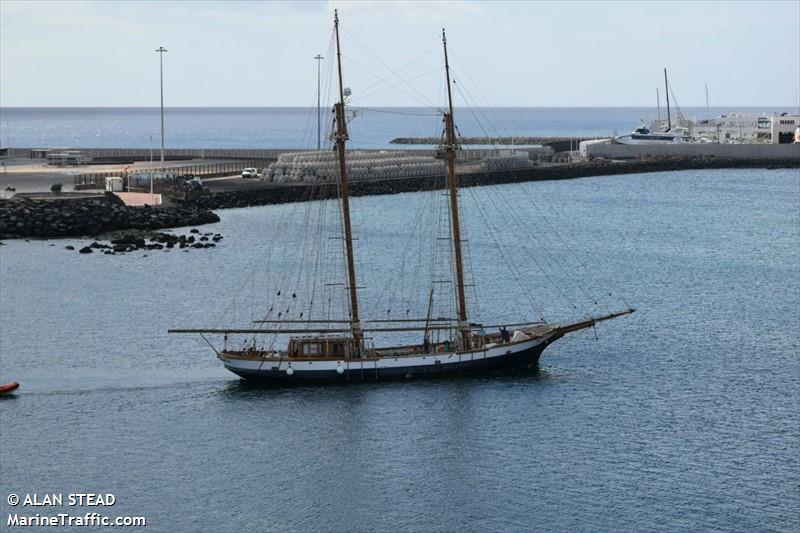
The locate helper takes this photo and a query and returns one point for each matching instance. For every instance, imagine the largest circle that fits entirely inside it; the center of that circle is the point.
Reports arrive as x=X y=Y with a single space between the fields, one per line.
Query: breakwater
x=279 y=194
x=23 y=217
x=515 y=140
x=746 y=152
x=93 y=216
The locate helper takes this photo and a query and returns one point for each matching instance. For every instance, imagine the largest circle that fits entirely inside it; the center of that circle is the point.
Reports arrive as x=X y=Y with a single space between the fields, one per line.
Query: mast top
x=447 y=73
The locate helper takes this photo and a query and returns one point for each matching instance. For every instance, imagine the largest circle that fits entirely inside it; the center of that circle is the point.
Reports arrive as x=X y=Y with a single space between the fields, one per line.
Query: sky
x=502 y=53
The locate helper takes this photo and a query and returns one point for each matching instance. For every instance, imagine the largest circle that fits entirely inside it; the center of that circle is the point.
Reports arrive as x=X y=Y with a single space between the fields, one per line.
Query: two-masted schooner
x=324 y=351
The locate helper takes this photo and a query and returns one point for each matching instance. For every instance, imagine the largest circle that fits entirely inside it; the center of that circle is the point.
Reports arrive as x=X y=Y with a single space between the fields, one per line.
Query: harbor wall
x=272 y=193
x=63 y=216
x=610 y=150
x=589 y=149
x=182 y=154
x=143 y=154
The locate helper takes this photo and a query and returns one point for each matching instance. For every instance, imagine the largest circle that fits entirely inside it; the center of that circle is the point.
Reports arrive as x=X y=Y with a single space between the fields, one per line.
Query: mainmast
x=450 y=158
x=666 y=88
x=341 y=137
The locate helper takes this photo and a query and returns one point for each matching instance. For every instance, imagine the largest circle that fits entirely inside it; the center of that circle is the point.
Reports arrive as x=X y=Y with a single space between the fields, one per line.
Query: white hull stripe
x=299 y=365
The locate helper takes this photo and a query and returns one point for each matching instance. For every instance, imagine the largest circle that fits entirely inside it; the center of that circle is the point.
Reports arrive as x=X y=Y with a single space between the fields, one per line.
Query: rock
x=21 y=218
x=85 y=250
x=69 y=247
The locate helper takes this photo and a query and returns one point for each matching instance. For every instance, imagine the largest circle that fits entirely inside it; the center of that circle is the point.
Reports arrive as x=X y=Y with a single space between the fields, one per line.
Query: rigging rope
x=390 y=69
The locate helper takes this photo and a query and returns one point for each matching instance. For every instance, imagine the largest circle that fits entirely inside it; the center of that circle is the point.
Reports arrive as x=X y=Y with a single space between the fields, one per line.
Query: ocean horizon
x=296 y=127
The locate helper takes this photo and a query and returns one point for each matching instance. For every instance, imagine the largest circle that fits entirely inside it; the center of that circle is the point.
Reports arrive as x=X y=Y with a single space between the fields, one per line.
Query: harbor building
x=738 y=128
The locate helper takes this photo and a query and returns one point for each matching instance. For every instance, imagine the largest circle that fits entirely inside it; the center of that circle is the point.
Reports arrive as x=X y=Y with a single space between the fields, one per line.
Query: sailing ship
x=669 y=135
x=336 y=350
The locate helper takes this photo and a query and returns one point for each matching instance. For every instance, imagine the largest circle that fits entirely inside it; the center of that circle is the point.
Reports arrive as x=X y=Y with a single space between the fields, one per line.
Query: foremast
x=341 y=138
x=449 y=149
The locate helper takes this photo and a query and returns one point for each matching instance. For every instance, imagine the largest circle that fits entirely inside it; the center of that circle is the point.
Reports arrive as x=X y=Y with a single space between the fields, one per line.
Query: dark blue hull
x=523 y=360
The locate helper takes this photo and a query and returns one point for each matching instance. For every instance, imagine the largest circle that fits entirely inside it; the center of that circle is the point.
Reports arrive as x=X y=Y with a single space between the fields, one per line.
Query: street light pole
x=319 y=112
x=161 y=51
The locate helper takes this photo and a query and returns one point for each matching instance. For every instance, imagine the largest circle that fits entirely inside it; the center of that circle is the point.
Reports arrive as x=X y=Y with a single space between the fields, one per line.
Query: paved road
x=26 y=176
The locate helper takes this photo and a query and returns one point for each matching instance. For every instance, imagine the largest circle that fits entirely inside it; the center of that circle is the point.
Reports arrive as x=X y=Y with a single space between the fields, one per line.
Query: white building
x=784 y=128
x=740 y=128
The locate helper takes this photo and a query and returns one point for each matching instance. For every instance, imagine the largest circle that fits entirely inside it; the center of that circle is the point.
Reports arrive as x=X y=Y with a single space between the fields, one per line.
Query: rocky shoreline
x=53 y=218
x=90 y=217
x=130 y=242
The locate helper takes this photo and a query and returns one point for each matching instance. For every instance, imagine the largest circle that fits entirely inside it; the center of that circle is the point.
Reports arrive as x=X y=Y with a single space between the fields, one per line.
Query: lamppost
x=160 y=50
x=319 y=112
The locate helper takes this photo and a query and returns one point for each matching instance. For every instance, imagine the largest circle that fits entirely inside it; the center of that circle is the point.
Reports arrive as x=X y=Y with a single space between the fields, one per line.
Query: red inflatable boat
x=8 y=388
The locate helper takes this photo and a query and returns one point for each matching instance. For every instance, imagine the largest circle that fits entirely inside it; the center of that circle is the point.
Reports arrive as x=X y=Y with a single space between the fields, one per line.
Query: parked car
x=250 y=173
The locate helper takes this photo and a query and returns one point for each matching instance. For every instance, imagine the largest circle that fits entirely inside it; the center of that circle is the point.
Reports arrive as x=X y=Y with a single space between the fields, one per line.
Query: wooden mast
x=341 y=137
x=450 y=158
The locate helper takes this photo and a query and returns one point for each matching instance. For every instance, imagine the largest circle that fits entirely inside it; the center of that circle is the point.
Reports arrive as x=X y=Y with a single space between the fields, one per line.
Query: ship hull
x=502 y=358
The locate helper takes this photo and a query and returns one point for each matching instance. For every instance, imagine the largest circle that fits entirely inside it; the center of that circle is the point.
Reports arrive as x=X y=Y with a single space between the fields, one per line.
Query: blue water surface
x=682 y=416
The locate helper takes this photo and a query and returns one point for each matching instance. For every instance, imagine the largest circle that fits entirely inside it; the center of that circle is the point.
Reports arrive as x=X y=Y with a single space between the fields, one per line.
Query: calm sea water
x=683 y=416
x=278 y=127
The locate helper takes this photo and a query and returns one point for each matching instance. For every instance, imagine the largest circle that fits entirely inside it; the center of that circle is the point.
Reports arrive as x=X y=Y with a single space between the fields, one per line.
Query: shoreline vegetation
x=103 y=213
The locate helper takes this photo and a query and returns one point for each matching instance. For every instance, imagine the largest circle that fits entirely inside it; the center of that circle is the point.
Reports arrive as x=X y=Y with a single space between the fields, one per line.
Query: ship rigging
x=340 y=347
